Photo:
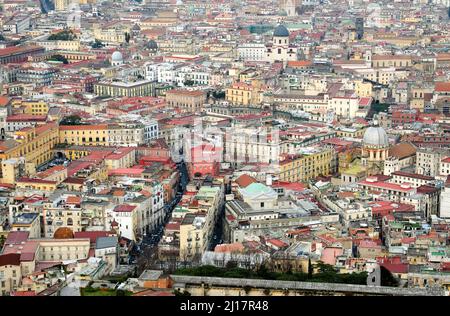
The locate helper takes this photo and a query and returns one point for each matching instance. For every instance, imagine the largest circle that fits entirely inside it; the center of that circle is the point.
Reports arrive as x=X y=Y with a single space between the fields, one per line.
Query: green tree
x=387 y=278
x=66 y=35
x=326 y=274
x=263 y=272
x=2 y=241
x=59 y=58
x=127 y=37
x=310 y=269
x=71 y=120
x=189 y=82
x=325 y=268
x=218 y=94
x=97 y=44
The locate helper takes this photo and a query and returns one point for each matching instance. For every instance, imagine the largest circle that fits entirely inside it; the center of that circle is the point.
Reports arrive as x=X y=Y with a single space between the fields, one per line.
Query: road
x=217 y=237
x=149 y=242
x=155 y=236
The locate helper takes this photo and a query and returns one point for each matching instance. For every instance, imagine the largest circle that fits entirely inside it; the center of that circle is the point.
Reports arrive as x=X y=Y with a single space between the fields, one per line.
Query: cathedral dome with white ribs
x=376 y=136
x=117 y=56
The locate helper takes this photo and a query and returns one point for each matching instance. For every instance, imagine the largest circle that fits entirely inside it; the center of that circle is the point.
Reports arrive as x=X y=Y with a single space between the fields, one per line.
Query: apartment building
x=186 y=100
x=31 y=107
x=129 y=134
x=241 y=93
x=34 y=144
x=193 y=236
x=302 y=167
x=61 y=214
x=92 y=135
x=117 y=88
x=397 y=61
x=18 y=54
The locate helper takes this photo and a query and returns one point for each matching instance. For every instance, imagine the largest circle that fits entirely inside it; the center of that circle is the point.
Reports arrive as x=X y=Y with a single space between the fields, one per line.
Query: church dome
x=281 y=31
x=376 y=136
x=63 y=233
x=117 y=56
x=151 y=44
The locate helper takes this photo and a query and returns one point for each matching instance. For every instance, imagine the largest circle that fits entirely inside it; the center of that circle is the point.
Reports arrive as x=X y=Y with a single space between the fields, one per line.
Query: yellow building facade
x=192 y=238
x=241 y=93
x=114 y=33
x=301 y=168
x=36 y=184
x=363 y=89
x=31 y=107
x=34 y=144
x=91 y=135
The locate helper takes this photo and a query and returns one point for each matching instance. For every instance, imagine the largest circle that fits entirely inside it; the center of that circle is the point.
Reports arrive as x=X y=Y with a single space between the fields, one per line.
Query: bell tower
x=290 y=6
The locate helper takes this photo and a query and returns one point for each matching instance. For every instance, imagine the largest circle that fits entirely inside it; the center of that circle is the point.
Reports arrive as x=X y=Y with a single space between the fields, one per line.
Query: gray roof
x=106 y=242
x=281 y=31
x=151 y=275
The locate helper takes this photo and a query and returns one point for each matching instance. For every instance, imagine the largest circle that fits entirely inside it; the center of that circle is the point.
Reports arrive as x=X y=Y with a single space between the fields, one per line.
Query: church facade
x=281 y=49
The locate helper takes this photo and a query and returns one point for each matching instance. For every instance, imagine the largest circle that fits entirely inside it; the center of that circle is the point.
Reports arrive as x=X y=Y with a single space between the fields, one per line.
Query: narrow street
x=154 y=237
x=217 y=236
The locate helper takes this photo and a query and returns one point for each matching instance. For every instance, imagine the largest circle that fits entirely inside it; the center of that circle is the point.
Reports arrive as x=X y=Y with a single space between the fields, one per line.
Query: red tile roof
x=83 y=127
x=405 y=187
x=10 y=259
x=124 y=208
x=173 y=226
x=16 y=238
x=35 y=180
x=23 y=293
x=299 y=63
x=17 y=50
x=4 y=100
x=73 y=199
x=442 y=87
x=92 y=235
x=396 y=268
x=292 y=186
x=277 y=243
x=245 y=180
x=72 y=180
x=126 y=171
x=26 y=117
x=184 y=92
